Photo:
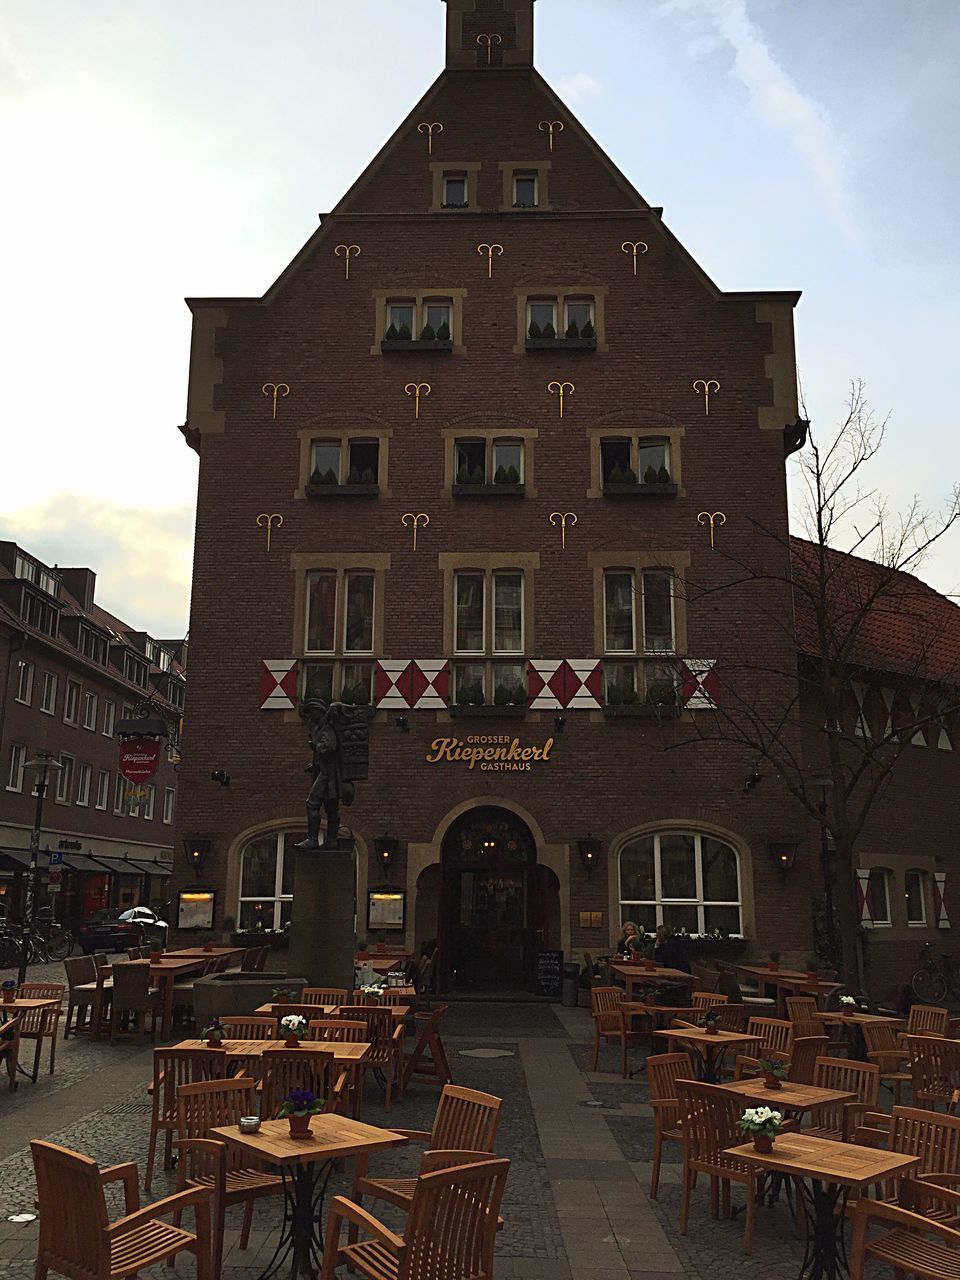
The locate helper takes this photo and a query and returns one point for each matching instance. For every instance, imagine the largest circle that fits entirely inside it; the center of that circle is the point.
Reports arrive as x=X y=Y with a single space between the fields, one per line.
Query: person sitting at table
x=670 y=950
x=629 y=940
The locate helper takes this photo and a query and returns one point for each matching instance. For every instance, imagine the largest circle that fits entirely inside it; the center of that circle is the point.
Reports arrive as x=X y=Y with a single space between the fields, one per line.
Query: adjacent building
x=70 y=673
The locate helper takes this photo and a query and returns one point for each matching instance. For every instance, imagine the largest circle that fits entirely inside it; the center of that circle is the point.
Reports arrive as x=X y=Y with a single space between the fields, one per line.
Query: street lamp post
x=43 y=764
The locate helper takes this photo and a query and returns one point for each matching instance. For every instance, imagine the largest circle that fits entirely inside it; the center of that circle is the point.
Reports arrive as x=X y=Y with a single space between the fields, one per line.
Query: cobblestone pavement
x=580 y=1143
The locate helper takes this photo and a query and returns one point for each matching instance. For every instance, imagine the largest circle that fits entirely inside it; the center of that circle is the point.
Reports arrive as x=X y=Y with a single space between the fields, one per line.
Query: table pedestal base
x=301 y=1233
x=824 y=1205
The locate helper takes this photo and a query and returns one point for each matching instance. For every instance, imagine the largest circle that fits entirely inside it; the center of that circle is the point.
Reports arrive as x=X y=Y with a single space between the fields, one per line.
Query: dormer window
x=455 y=191
x=525 y=195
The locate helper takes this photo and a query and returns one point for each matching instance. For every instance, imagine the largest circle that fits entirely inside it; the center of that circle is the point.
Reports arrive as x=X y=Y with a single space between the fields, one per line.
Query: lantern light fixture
x=590 y=850
x=196 y=849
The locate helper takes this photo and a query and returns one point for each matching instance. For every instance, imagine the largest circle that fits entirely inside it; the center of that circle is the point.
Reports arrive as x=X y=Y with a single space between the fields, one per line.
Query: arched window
x=682 y=879
x=266 y=880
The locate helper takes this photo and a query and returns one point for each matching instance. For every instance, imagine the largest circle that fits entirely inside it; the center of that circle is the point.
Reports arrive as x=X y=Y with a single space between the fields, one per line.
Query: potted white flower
x=763 y=1125
x=848 y=1001
x=372 y=994
x=293 y=1028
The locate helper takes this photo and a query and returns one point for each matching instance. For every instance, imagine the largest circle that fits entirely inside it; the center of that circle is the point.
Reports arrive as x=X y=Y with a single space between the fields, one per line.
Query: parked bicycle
x=45 y=940
x=936 y=976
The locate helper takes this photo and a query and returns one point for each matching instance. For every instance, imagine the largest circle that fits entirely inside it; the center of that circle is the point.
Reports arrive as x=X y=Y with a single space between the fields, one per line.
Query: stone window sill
x=488 y=490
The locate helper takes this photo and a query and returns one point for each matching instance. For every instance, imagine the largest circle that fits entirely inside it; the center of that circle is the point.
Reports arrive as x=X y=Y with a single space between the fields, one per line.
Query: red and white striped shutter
x=699 y=684
x=568 y=684
x=939 y=902
x=278 y=684
x=863 y=897
x=403 y=684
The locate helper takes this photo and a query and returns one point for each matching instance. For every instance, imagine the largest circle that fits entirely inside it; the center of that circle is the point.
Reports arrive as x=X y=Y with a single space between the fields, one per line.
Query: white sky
x=154 y=149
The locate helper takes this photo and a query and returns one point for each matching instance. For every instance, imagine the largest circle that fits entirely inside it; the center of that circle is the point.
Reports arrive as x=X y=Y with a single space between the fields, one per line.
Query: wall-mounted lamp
x=784 y=854
x=752 y=780
x=386 y=849
x=403 y=724
x=559 y=723
x=590 y=851
x=220 y=777
x=196 y=849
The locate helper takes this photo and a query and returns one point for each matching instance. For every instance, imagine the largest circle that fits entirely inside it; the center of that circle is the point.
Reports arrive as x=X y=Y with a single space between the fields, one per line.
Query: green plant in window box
x=356 y=695
x=315 y=476
x=519 y=696
x=367 y=476
x=629 y=475
x=573 y=330
x=588 y=331
x=476 y=475
x=404 y=334
x=471 y=695
x=616 y=474
x=463 y=475
x=660 y=693
x=513 y=475
x=663 y=476
x=392 y=334
x=353 y=477
x=500 y=475
x=650 y=475
x=549 y=331
x=443 y=332
x=534 y=331
x=428 y=333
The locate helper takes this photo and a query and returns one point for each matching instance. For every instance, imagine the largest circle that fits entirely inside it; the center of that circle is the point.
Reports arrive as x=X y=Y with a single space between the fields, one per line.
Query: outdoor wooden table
x=789 y=1097
x=825 y=1173
x=709 y=1046
x=635 y=975
x=23 y=1004
x=385 y=964
x=349 y=1054
x=787 y=982
x=305 y=1164
x=162 y=974
x=203 y=953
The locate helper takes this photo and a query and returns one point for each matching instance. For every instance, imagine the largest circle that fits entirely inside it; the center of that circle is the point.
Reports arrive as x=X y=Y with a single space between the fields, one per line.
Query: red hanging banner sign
x=139 y=758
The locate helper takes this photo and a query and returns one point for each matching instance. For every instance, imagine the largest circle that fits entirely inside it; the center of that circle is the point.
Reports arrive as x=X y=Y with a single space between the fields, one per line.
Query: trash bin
x=571 y=982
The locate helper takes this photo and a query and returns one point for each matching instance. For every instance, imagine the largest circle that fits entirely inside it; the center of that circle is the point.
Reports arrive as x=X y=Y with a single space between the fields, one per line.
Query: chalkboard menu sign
x=549 y=973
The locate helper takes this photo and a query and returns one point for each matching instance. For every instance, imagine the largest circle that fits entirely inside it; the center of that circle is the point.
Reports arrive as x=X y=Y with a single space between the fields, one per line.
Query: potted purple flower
x=299 y=1106
x=9 y=990
x=214 y=1033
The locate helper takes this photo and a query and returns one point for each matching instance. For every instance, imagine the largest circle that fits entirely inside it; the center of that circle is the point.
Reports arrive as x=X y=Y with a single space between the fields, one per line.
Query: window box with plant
x=401 y=339
x=574 y=338
x=344 y=469
x=490 y=673
x=488 y=469
x=636 y=467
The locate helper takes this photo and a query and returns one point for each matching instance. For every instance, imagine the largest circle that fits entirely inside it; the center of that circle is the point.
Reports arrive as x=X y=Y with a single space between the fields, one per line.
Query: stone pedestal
x=322 y=942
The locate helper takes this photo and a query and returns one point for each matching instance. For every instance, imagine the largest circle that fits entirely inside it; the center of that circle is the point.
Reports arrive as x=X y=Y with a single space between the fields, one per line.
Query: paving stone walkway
x=577 y=1204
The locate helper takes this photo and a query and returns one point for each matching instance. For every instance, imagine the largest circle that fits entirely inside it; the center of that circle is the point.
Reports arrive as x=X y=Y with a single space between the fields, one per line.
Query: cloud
x=577 y=88
x=774 y=96
x=141 y=556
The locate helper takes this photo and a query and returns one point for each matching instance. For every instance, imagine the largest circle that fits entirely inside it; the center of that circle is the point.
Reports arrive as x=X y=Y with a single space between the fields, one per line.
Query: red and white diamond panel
x=572 y=684
x=278 y=684
x=699 y=683
x=939 y=900
x=408 y=683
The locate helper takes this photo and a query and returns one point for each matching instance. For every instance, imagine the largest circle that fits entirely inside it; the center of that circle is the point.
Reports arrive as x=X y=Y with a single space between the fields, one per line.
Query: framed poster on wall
x=195 y=908
x=386 y=909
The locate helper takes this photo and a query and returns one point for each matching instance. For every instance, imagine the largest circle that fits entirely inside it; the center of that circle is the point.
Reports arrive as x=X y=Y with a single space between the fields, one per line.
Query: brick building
x=70 y=672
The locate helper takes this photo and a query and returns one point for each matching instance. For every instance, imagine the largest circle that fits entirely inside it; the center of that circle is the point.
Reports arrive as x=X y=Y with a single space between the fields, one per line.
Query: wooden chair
x=935 y=1139
x=729 y=983
x=337 y=1030
x=912 y=1245
x=801 y=1009
x=730 y=1017
x=307 y=1011
x=216 y=1166
x=248 y=961
x=804 y=1052
x=10 y=1049
x=41 y=1024
x=132 y=993
x=465 y=1120
x=262 y=953
x=927 y=1020
x=133 y=953
x=450 y=1229
x=704 y=1000
x=324 y=995
x=776 y=1035
x=934 y=1071
x=388 y=996
x=250 y=1027
x=385 y=1036
x=663 y=1072
x=78 y=1240
x=839 y=1120
x=81 y=973
x=708 y=1121
x=706 y=979
x=171 y=1069
x=286 y=1069
x=885 y=1049
x=427 y=1061
x=608 y=1024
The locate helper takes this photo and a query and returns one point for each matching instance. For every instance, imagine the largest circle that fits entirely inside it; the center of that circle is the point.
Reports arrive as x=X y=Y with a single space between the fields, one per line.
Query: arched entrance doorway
x=490 y=908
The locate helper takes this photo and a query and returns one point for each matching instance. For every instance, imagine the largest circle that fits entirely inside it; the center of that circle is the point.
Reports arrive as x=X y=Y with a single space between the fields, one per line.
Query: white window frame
x=73 y=718
x=541 y=302
x=64 y=781
x=484 y=608
x=524 y=175
x=344 y=579
x=490 y=586
x=103 y=789
x=455 y=175
x=659 y=902
x=24 y=694
x=48 y=704
x=887 y=882
x=652 y=569
x=90 y=702
x=922 y=875
x=18 y=760
x=84 y=776
x=278 y=896
x=148 y=803
x=631 y=652
x=169 y=803
x=109 y=718
x=591 y=304
x=120 y=795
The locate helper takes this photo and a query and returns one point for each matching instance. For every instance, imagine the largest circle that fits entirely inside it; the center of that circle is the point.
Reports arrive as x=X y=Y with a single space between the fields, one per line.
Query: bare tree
x=859 y=620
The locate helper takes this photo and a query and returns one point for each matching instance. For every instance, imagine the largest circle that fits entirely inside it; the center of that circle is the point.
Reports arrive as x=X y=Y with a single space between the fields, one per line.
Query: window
x=423 y=318
x=93 y=646
x=577 y=314
x=64 y=780
x=71 y=702
x=525 y=191
x=438 y=315
x=635 y=460
x=541 y=314
x=83 y=784
x=455 y=191
x=169 y=799
x=18 y=756
x=681 y=879
x=335 y=462
x=164 y=658
x=103 y=788
x=109 y=715
x=340 y=621
x=31 y=570
x=48 y=694
x=560 y=317
x=36 y=611
x=24 y=682
x=266 y=881
x=149 y=802
x=915 y=894
x=478 y=462
x=488 y=622
x=401 y=317
x=135 y=670
x=879 y=897
x=120 y=794
x=647 y=680
x=90 y=711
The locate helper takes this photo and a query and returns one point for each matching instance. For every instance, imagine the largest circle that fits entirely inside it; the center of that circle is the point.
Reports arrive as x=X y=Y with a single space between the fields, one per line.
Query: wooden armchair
x=912 y=1245
x=839 y=1120
x=331 y=996
x=81 y=972
x=663 y=1072
x=465 y=1121
x=286 y=1069
x=804 y=1052
x=10 y=1049
x=133 y=994
x=704 y=1000
x=934 y=1070
x=927 y=1020
x=171 y=1069
x=385 y=1036
x=77 y=1239
x=212 y=1165
x=427 y=1061
x=885 y=1049
x=608 y=1023
x=450 y=1229
x=42 y=1024
x=776 y=1035
x=708 y=1120
x=337 y=1030
x=932 y=1137
x=250 y=1027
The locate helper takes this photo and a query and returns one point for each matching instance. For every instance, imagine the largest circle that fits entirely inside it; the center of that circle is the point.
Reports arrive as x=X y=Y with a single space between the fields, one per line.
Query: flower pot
x=292 y=1042
x=9 y=995
x=813 y=975
x=649 y=965
x=213 y=1043
x=774 y=966
x=762 y=1142
x=363 y=955
x=282 y=1000
x=299 y=1126
x=381 y=948
x=155 y=957
x=208 y=946
x=770 y=1081
x=711 y=1029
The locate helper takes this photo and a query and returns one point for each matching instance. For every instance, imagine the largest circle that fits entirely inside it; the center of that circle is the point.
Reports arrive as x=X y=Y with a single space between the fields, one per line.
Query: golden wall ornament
x=706 y=389
x=562 y=389
x=270 y=520
x=634 y=247
x=548 y=127
x=275 y=389
x=563 y=518
x=415 y=521
x=490 y=250
x=487 y=39
x=415 y=389
x=347 y=250
x=715 y=518
x=430 y=128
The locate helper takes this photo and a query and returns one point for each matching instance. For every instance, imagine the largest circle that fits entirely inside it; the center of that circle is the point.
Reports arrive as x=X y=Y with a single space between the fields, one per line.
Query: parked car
x=112 y=930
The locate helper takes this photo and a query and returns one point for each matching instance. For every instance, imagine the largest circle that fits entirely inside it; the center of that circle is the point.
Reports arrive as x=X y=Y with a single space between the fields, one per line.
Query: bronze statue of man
x=338 y=742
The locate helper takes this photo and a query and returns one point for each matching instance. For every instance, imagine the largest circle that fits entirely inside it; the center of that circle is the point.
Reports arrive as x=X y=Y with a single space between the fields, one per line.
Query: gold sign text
x=493 y=753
